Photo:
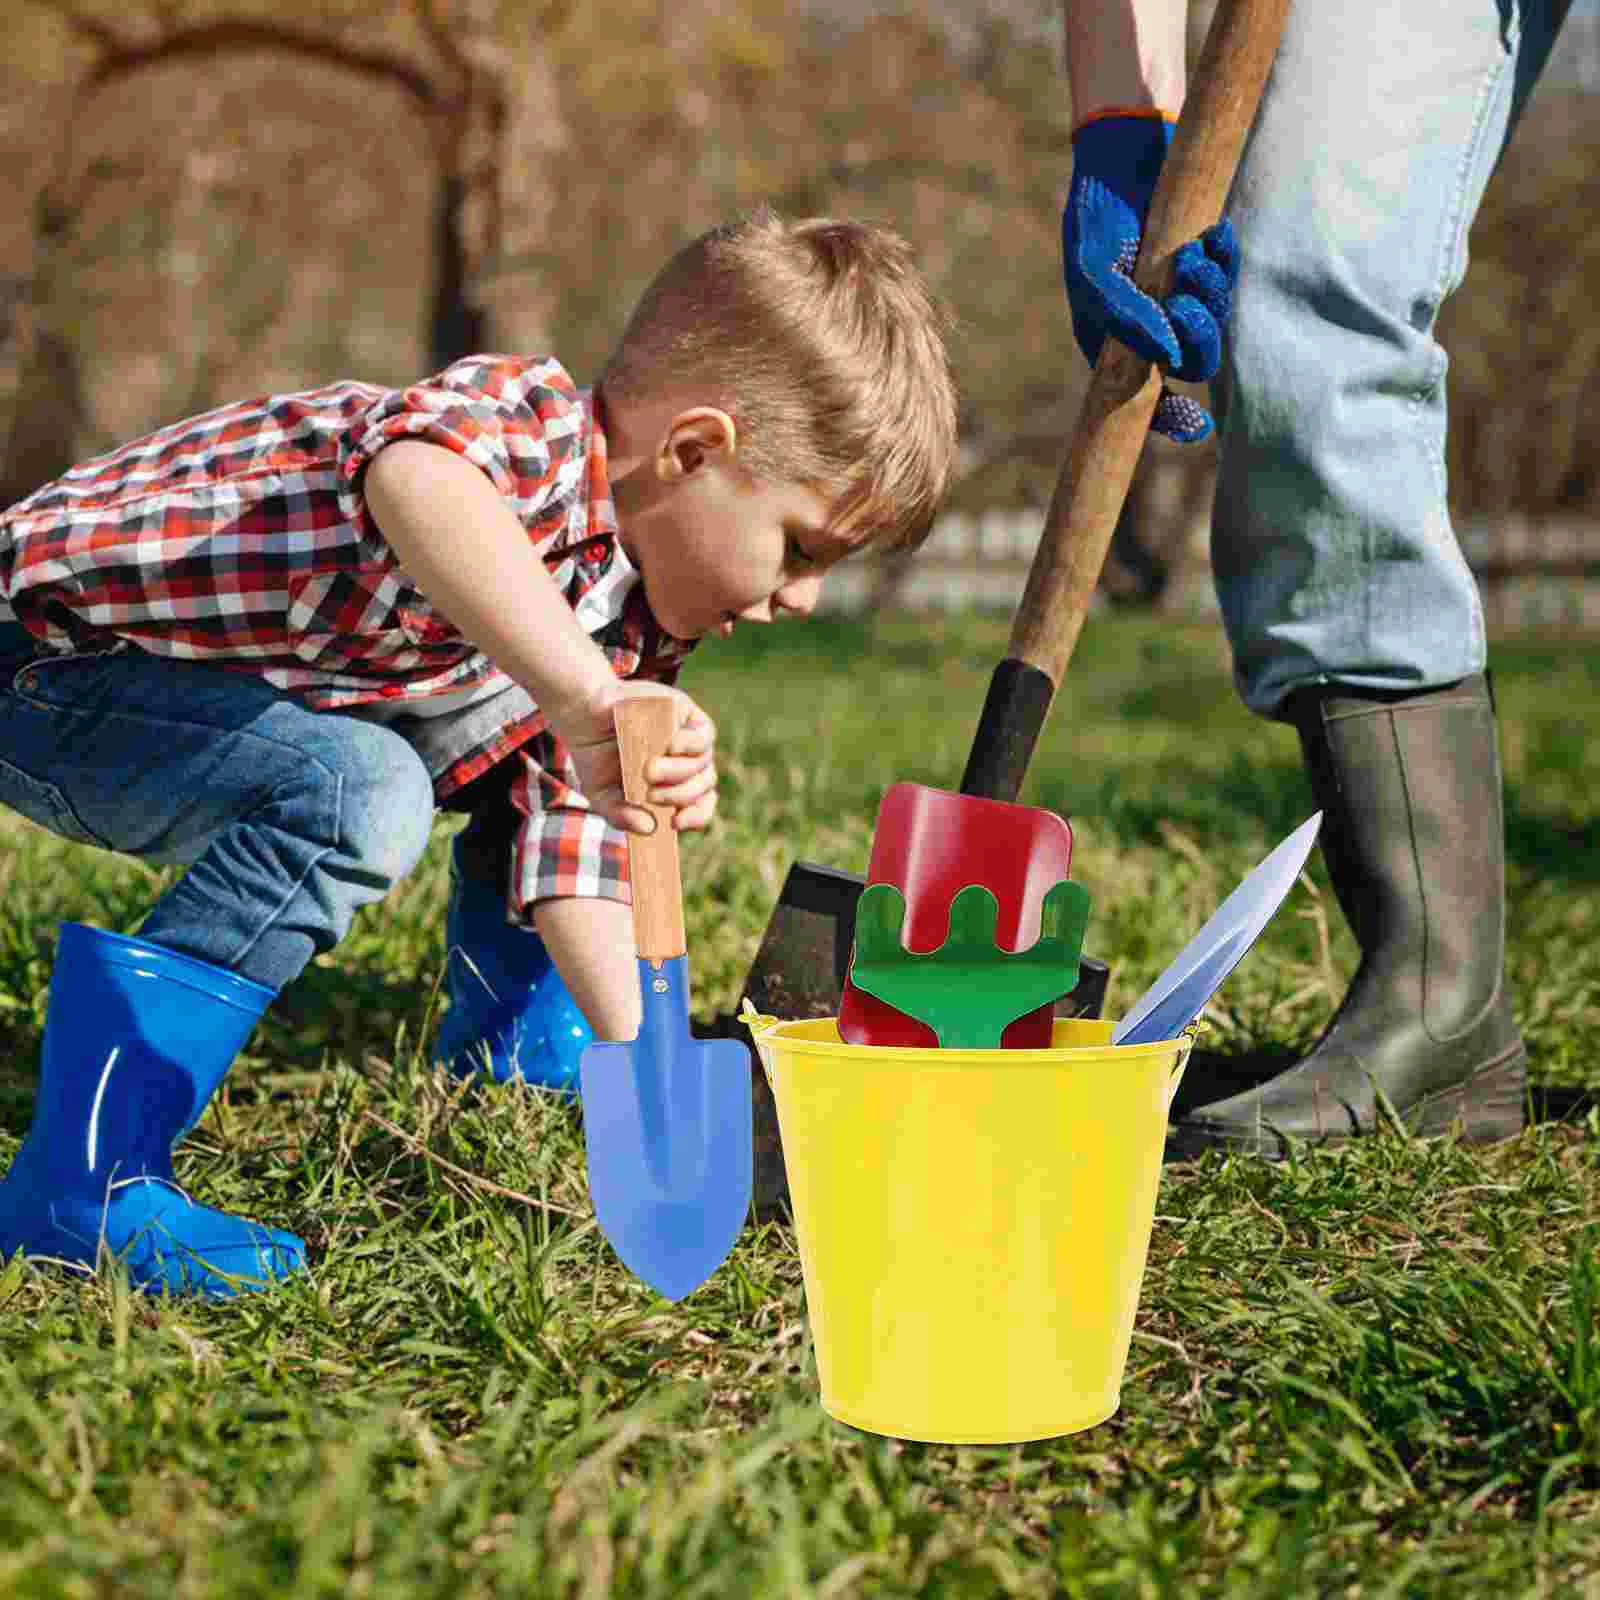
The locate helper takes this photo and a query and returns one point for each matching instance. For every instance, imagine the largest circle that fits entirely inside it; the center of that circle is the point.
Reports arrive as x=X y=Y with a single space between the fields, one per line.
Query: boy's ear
x=700 y=436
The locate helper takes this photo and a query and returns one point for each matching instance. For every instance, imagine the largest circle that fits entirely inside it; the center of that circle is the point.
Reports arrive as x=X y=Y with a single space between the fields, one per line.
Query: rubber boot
x=510 y=1013
x=137 y=1039
x=1413 y=838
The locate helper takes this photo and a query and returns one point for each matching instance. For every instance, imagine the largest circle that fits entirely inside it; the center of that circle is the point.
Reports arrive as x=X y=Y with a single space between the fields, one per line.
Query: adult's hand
x=1116 y=162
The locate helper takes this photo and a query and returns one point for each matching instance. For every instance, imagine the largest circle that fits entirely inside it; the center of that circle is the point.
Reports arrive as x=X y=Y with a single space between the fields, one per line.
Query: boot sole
x=1490 y=1105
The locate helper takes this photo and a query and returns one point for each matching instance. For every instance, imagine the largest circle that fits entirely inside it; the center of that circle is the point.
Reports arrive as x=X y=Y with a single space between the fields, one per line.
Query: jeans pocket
x=67 y=681
x=43 y=803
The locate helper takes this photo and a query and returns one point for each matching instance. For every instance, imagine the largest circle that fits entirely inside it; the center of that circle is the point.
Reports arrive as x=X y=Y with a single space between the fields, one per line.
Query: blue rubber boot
x=510 y=1013
x=136 y=1042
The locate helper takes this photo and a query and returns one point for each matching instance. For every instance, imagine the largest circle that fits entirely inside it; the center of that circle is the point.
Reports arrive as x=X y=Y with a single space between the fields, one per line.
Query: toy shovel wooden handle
x=645 y=726
x=1089 y=494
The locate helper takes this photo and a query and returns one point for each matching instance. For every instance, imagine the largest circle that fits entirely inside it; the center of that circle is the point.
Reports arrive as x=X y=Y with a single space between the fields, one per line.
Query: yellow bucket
x=973 y=1224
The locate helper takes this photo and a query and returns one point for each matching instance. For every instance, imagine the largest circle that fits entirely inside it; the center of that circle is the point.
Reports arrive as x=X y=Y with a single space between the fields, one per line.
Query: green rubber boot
x=1413 y=838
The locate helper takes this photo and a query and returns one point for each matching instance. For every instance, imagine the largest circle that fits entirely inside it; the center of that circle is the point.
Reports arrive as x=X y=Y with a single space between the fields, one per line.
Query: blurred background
x=202 y=200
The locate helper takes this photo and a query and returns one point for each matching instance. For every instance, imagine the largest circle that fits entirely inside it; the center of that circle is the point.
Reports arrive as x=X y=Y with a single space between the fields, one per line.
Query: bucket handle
x=759 y=1024
x=1189 y=1035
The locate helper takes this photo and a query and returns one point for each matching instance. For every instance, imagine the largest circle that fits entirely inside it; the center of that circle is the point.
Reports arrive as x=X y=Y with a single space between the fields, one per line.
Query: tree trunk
x=458 y=325
x=49 y=419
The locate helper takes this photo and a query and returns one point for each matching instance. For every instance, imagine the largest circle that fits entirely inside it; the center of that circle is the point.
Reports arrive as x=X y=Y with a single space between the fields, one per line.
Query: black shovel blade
x=804 y=958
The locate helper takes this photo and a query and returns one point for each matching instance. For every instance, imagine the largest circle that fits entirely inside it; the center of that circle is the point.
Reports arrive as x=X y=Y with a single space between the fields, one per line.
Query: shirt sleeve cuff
x=452 y=430
x=516 y=421
x=567 y=853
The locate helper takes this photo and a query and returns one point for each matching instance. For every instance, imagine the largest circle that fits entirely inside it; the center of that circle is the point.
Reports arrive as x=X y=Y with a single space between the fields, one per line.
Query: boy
x=266 y=642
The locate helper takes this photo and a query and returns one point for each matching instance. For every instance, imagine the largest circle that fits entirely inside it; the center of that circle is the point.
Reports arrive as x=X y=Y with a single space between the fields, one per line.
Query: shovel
x=801 y=967
x=666 y=1117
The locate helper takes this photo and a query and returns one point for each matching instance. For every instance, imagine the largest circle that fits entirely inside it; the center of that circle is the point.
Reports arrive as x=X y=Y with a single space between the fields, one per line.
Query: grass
x=1368 y=1372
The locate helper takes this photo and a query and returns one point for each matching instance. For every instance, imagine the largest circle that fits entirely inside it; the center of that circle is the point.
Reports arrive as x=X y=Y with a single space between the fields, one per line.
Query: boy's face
x=715 y=546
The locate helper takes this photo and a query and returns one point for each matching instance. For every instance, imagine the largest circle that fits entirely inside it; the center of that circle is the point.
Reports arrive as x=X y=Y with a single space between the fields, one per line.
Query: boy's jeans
x=1334 y=556
x=289 y=819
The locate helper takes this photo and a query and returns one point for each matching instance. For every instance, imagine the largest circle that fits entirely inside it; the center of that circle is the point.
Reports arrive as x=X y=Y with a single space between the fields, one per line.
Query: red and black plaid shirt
x=241 y=538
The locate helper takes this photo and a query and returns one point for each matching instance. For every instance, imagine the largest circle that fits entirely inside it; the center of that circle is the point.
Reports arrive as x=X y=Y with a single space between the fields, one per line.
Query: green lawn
x=1375 y=1372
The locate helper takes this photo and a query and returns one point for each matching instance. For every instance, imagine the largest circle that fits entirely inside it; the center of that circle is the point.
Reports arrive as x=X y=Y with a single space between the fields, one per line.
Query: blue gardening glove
x=1116 y=161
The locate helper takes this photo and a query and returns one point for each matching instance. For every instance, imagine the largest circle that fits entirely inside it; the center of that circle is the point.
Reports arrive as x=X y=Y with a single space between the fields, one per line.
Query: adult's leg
x=1350 y=608
x=1332 y=546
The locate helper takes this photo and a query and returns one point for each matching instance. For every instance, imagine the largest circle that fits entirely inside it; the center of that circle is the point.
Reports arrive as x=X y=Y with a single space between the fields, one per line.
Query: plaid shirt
x=241 y=538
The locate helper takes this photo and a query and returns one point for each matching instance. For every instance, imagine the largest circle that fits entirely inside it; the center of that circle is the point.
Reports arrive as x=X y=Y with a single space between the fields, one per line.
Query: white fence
x=1530 y=573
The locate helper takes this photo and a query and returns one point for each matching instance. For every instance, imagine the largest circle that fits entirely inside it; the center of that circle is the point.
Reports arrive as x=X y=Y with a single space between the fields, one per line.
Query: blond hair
x=821 y=340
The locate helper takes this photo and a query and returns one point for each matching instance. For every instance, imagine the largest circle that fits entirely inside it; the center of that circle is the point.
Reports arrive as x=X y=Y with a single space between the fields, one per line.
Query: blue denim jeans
x=287 y=819
x=1332 y=546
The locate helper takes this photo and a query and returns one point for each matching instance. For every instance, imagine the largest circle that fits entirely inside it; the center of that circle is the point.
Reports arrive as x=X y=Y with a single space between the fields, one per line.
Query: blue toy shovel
x=1179 y=995
x=666 y=1117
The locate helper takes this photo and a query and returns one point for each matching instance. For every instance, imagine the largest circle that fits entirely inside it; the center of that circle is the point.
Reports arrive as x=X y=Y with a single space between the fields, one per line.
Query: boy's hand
x=685 y=778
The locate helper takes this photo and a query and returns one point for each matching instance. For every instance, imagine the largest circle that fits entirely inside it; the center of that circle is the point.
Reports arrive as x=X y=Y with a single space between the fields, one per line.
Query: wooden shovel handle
x=1195 y=179
x=645 y=726
x=1193 y=188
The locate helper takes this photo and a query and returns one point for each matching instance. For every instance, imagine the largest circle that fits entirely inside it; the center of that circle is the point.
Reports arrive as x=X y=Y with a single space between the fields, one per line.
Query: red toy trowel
x=930 y=844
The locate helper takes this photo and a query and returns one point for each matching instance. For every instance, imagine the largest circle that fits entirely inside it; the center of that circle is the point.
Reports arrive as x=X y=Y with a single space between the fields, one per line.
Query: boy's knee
x=385 y=802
